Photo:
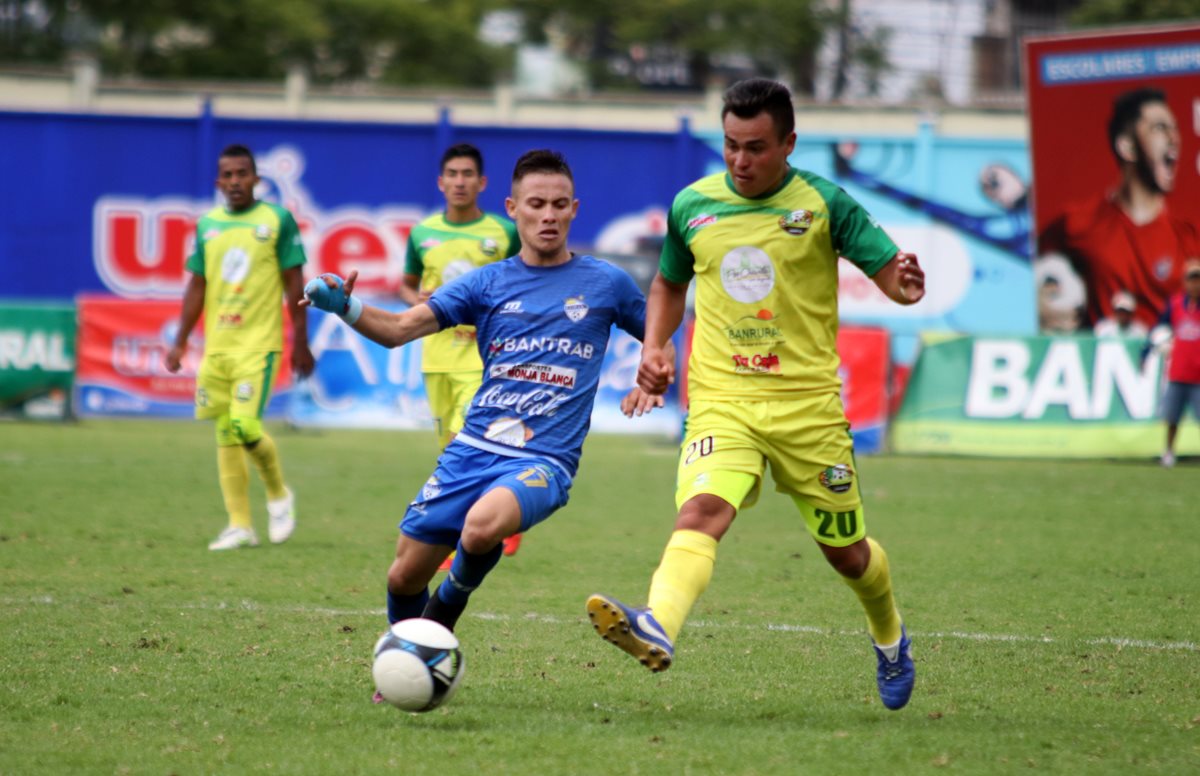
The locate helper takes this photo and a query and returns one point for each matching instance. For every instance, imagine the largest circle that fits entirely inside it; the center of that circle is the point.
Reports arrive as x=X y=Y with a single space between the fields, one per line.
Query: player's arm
x=664 y=313
x=331 y=294
x=293 y=289
x=193 y=305
x=902 y=279
x=408 y=290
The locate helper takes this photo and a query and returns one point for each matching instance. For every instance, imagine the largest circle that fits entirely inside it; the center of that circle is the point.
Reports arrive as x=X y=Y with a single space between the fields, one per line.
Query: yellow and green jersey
x=766 y=274
x=438 y=252
x=241 y=257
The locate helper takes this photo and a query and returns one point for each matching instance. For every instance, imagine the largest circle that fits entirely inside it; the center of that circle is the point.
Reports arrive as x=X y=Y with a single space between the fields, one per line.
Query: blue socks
x=405 y=607
x=466 y=573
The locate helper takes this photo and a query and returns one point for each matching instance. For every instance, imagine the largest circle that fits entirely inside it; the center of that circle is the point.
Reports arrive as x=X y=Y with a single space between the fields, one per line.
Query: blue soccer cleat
x=633 y=630
x=895 y=677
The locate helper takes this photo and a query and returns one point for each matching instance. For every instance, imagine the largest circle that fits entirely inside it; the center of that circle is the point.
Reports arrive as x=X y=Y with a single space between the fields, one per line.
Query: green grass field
x=1053 y=610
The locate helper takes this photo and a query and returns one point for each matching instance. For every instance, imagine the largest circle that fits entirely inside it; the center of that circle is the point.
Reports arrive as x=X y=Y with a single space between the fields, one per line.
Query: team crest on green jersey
x=262 y=233
x=796 y=222
x=837 y=478
x=575 y=308
x=489 y=247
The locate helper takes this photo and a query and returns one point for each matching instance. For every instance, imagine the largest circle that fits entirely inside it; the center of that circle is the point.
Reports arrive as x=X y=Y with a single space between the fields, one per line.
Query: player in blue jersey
x=543 y=319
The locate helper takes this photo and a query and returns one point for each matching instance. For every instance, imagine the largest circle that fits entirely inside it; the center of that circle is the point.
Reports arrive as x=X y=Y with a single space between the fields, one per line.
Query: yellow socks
x=682 y=575
x=266 y=461
x=874 y=590
x=235 y=484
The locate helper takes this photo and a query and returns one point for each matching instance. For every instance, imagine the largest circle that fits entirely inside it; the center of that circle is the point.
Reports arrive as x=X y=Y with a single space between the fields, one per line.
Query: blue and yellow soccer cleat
x=633 y=630
x=895 y=676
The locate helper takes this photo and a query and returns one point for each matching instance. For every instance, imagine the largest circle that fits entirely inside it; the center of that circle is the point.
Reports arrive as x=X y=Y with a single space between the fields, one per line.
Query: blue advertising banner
x=109 y=203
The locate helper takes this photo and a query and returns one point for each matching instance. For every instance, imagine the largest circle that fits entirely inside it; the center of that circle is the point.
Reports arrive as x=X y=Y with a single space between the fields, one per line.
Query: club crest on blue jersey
x=575 y=308
x=796 y=222
x=837 y=478
x=431 y=490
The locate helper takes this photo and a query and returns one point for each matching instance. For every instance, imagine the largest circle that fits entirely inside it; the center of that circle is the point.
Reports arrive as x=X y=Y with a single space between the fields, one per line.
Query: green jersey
x=241 y=257
x=766 y=274
x=439 y=251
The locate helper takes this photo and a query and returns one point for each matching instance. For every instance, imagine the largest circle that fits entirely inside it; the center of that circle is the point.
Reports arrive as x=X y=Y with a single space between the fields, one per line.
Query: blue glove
x=333 y=300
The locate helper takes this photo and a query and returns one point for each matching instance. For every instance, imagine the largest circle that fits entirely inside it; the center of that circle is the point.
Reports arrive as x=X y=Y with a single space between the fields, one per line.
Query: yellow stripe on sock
x=682 y=575
x=266 y=460
x=234 y=477
x=874 y=591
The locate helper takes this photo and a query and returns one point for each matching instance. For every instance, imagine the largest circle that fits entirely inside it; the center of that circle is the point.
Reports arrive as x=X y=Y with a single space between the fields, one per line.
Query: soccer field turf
x=1052 y=606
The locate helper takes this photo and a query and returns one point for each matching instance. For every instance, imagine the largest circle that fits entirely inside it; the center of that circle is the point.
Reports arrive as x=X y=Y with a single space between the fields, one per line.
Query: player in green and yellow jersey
x=248 y=257
x=441 y=248
x=762 y=241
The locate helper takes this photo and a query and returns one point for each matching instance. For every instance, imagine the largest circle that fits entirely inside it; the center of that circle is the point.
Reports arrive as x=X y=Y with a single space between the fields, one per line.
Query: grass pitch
x=1053 y=610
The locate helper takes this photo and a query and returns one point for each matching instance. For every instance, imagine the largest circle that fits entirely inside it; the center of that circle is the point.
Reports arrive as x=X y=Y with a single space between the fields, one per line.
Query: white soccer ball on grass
x=418 y=665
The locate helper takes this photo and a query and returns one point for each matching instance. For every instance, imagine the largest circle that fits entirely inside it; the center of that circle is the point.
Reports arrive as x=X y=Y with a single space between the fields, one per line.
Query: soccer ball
x=418 y=665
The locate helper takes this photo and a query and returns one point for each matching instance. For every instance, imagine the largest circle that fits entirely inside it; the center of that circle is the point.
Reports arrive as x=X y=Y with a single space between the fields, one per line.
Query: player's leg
x=440 y=395
x=252 y=392
x=719 y=471
x=1173 y=404
x=408 y=577
x=523 y=493
x=213 y=386
x=812 y=460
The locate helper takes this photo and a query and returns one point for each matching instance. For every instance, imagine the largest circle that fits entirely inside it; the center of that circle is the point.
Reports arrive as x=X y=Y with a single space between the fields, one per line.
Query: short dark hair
x=746 y=99
x=541 y=160
x=461 y=150
x=236 y=150
x=1127 y=109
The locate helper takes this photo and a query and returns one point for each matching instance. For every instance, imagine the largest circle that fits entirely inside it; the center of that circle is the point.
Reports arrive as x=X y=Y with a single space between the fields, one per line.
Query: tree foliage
x=398 y=41
x=1110 y=12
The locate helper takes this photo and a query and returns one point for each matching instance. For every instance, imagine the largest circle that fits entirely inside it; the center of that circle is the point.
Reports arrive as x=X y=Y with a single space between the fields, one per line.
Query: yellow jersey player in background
x=248 y=257
x=762 y=241
x=440 y=248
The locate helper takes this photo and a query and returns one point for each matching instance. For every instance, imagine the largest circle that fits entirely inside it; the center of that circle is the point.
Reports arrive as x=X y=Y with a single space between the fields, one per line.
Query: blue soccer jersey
x=542 y=334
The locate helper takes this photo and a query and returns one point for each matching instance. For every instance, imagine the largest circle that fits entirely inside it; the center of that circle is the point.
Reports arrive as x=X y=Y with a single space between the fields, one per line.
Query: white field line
x=1120 y=642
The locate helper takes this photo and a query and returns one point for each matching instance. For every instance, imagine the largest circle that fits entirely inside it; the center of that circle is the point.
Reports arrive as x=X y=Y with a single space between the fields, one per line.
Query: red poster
x=120 y=360
x=865 y=354
x=1114 y=121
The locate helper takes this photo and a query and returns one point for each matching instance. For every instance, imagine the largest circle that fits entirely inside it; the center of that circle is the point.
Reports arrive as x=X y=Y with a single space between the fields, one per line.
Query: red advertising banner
x=866 y=355
x=1114 y=122
x=120 y=367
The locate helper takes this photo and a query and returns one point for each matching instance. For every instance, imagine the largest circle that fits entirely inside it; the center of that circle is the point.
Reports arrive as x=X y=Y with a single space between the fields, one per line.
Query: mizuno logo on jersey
x=511 y=307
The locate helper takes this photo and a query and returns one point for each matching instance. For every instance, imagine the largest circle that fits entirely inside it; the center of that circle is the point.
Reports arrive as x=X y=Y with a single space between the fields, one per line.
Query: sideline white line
x=1120 y=642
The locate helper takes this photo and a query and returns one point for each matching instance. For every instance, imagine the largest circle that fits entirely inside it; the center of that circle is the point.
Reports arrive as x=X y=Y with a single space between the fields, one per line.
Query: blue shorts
x=464 y=474
x=1178 y=396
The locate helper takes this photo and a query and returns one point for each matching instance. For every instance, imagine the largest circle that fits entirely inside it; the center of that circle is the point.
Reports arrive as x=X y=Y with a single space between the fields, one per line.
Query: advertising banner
x=37 y=360
x=363 y=385
x=121 y=373
x=864 y=372
x=1114 y=143
x=1037 y=397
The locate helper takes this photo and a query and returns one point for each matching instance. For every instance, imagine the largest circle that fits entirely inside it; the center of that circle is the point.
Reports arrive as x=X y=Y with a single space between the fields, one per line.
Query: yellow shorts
x=237 y=384
x=450 y=395
x=807 y=444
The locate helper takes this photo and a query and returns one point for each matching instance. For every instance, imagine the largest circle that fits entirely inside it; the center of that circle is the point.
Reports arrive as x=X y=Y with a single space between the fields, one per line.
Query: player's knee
x=482 y=535
x=706 y=513
x=401 y=581
x=849 y=561
x=247 y=430
x=226 y=436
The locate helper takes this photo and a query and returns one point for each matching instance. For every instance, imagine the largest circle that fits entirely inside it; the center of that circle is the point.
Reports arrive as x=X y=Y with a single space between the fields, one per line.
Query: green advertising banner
x=1041 y=397
x=37 y=360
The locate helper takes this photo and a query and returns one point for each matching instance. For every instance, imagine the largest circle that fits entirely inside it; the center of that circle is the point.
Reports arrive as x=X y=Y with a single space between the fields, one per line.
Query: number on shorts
x=698 y=449
x=846 y=523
